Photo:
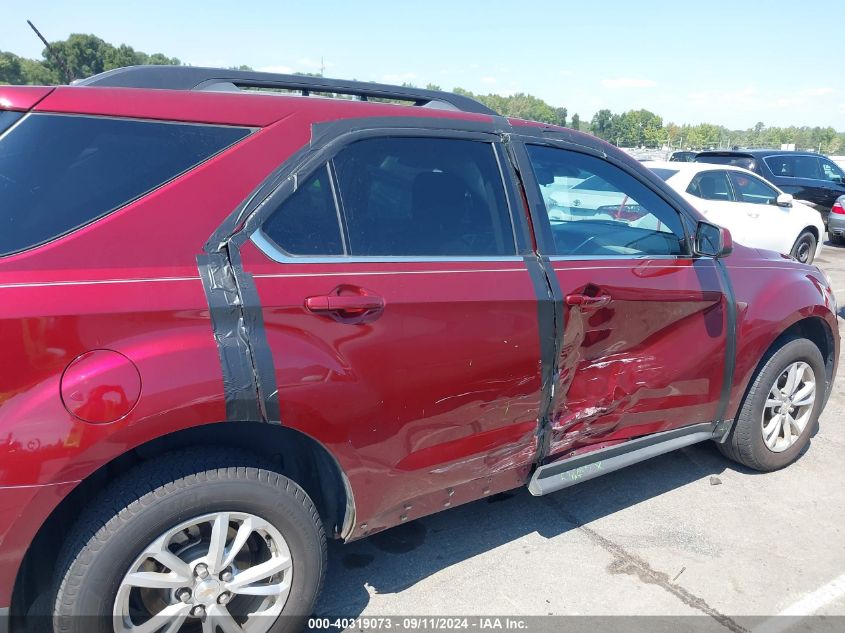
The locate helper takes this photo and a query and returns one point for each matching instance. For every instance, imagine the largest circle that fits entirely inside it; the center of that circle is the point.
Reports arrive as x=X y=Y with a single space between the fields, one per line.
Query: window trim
x=539 y=213
x=324 y=159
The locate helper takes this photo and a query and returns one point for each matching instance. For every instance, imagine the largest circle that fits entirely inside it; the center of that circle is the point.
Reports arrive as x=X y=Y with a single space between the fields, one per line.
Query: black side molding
x=568 y=472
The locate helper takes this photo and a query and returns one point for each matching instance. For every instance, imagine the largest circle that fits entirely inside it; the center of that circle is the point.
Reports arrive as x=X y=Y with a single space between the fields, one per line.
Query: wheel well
x=818 y=331
x=813 y=230
x=296 y=455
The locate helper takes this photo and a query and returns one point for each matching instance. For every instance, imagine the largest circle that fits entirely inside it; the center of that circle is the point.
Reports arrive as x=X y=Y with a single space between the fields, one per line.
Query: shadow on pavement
x=398 y=558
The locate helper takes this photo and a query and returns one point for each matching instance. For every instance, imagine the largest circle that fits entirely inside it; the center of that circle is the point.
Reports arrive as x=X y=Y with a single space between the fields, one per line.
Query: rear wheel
x=839 y=240
x=781 y=408
x=204 y=540
x=805 y=248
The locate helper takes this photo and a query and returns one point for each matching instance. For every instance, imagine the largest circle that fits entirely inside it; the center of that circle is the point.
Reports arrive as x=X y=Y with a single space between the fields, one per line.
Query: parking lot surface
x=687 y=533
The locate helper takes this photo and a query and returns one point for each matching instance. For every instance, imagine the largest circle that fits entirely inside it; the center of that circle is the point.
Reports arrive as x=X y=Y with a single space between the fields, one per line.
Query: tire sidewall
x=106 y=558
x=810 y=240
x=793 y=351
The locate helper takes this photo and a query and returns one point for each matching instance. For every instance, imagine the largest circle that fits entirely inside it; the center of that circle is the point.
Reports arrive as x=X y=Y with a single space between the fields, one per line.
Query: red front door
x=645 y=323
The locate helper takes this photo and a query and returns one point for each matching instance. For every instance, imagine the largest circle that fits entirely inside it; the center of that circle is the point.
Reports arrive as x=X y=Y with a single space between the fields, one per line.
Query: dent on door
x=650 y=359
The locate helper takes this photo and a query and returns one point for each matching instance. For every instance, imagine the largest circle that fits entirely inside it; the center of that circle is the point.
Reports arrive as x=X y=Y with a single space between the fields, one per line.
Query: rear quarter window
x=61 y=172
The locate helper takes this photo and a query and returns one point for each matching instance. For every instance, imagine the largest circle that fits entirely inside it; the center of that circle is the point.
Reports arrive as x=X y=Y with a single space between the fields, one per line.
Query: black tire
x=839 y=240
x=745 y=443
x=163 y=493
x=804 y=249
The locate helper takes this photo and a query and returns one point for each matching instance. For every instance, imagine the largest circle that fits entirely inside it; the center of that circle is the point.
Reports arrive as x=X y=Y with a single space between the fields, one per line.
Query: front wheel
x=781 y=408
x=804 y=249
x=204 y=539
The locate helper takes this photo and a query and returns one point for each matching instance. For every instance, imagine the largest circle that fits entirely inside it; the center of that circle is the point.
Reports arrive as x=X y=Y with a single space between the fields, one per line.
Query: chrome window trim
x=271 y=250
x=591 y=258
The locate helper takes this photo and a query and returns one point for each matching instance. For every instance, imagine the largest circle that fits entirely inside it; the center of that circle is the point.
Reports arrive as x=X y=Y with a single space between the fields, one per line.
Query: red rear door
x=403 y=321
x=645 y=323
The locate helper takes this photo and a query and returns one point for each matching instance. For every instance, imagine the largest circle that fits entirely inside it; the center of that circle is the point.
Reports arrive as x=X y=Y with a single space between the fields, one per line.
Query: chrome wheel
x=230 y=571
x=789 y=406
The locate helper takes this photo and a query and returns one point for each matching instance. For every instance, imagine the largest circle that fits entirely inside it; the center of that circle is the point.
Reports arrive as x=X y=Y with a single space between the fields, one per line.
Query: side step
x=568 y=472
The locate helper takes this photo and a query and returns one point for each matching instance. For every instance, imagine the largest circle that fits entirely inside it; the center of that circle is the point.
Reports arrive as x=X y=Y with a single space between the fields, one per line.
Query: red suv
x=236 y=322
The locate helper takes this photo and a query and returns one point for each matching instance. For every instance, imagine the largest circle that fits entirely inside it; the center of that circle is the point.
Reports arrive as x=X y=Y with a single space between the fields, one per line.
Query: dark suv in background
x=807 y=176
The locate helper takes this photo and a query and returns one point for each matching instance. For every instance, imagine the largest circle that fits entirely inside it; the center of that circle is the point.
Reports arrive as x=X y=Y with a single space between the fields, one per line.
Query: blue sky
x=728 y=62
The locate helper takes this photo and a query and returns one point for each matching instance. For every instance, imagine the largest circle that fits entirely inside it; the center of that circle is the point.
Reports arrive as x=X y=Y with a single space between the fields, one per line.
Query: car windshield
x=746 y=162
x=664 y=174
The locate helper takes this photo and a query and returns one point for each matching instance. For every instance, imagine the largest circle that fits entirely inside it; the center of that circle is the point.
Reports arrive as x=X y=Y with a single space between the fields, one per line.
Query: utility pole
x=322 y=67
x=68 y=76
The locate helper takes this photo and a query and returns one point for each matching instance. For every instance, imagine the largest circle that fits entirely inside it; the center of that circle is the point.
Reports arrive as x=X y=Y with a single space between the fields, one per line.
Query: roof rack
x=192 y=78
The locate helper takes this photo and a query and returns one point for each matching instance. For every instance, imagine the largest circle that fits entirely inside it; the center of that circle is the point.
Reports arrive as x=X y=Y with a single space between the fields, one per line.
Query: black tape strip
x=550 y=326
x=224 y=304
x=730 y=341
x=263 y=366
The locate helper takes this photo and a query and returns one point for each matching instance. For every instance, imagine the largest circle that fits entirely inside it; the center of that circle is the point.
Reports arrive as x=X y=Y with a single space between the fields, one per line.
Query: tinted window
x=608 y=213
x=711 y=185
x=60 y=172
x=423 y=196
x=794 y=166
x=750 y=189
x=306 y=223
x=831 y=170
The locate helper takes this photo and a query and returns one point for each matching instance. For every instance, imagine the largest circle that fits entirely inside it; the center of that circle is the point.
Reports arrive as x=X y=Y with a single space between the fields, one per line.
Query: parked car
x=756 y=212
x=682 y=157
x=836 y=223
x=809 y=177
x=235 y=324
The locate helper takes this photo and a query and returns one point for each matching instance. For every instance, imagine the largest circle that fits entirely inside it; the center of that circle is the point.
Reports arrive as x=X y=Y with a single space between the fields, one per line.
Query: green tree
x=561 y=116
x=576 y=122
x=11 y=71
x=602 y=124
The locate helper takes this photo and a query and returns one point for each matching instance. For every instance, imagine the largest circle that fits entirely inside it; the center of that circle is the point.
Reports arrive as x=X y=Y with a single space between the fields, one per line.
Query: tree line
x=83 y=55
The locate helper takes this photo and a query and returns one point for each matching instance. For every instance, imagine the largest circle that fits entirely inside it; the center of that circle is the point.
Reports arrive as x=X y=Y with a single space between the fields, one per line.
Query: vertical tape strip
x=550 y=325
x=230 y=334
x=730 y=341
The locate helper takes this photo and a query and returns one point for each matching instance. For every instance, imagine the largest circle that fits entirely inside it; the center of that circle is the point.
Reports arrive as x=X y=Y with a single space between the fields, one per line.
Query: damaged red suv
x=234 y=323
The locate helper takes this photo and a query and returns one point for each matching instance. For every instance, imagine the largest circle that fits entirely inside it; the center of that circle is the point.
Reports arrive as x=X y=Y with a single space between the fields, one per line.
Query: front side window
x=61 y=172
x=831 y=170
x=747 y=188
x=794 y=166
x=419 y=196
x=711 y=185
x=595 y=209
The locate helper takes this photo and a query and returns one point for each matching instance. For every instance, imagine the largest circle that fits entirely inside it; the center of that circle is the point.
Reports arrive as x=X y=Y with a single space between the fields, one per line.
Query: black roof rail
x=193 y=78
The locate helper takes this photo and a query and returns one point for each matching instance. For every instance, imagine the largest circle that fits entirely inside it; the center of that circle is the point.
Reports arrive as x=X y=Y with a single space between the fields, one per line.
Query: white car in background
x=757 y=213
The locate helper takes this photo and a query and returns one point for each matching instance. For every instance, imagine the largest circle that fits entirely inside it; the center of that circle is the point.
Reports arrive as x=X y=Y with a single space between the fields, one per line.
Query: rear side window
x=61 y=172
x=711 y=185
x=794 y=166
x=423 y=197
x=307 y=222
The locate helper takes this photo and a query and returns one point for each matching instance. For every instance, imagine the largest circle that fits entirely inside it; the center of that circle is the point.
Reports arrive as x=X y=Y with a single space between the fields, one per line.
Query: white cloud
x=628 y=82
x=488 y=80
x=398 y=78
x=818 y=92
x=566 y=73
x=285 y=70
x=314 y=64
